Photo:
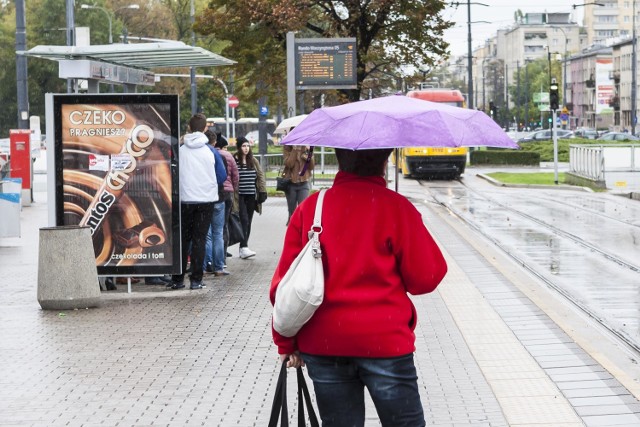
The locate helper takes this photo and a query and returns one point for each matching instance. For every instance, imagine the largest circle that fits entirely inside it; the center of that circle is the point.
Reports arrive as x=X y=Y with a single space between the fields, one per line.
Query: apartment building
x=590 y=91
x=608 y=19
x=596 y=60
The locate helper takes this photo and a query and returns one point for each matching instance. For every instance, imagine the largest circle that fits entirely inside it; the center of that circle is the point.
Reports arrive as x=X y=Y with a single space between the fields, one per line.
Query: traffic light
x=554 y=99
x=491 y=108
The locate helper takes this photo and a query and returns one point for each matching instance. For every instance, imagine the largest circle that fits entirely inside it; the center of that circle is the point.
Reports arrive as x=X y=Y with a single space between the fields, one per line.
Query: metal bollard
x=67 y=273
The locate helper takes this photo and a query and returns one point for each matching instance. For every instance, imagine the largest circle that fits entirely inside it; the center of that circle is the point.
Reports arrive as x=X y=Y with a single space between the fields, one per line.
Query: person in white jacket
x=198 y=192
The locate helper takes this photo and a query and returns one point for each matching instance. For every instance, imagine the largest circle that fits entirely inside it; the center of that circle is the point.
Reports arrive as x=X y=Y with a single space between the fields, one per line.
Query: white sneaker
x=246 y=253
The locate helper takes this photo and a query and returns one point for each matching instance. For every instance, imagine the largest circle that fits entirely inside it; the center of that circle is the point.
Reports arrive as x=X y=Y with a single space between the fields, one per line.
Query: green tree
x=534 y=78
x=389 y=33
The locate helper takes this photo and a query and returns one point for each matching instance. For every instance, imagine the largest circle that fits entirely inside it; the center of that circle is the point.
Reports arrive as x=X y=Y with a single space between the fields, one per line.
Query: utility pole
x=634 y=72
x=469 y=57
x=506 y=93
x=71 y=33
x=518 y=90
x=194 y=91
x=21 y=66
x=526 y=94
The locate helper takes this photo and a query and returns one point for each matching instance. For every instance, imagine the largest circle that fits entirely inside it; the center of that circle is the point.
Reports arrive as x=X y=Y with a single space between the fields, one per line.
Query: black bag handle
x=279 y=407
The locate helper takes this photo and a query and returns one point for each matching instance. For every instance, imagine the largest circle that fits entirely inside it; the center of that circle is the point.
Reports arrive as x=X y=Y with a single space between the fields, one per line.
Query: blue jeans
x=214 y=251
x=339 y=386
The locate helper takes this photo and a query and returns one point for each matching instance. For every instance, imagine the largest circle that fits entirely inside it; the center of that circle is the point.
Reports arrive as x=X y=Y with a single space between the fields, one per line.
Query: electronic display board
x=326 y=63
x=116 y=171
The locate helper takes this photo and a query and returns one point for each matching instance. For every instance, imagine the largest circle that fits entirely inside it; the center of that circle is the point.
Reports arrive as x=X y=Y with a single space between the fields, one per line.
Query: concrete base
x=575 y=179
x=67 y=273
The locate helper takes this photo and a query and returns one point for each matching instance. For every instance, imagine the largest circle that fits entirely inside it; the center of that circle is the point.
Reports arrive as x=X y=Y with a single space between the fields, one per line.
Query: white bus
x=247 y=127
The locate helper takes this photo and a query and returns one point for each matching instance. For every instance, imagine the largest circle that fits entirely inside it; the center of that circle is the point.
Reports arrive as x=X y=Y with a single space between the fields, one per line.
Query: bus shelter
x=129 y=65
x=111 y=158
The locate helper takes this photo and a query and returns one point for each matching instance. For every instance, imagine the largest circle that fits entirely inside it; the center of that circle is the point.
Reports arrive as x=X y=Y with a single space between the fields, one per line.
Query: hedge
x=504 y=157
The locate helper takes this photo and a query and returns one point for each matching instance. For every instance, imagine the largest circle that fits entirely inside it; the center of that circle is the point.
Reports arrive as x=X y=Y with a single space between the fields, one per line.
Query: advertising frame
x=116 y=171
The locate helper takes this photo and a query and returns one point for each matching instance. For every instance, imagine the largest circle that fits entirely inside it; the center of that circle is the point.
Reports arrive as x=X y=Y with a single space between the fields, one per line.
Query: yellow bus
x=434 y=162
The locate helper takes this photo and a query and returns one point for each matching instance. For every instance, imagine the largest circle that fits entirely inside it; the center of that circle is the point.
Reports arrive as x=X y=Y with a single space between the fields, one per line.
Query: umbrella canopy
x=288 y=123
x=397 y=121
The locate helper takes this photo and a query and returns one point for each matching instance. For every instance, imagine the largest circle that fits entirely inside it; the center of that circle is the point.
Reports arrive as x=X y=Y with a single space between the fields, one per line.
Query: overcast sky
x=500 y=14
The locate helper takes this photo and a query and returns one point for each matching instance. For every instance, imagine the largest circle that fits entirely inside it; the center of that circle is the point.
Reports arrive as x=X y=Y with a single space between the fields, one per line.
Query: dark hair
x=221 y=141
x=363 y=162
x=211 y=135
x=238 y=154
x=198 y=122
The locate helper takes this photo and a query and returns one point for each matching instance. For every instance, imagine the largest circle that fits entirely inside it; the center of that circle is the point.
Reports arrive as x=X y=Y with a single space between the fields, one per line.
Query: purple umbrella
x=397 y=121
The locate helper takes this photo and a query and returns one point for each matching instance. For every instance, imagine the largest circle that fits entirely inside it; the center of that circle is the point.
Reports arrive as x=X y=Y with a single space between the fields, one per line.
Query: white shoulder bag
x=301 y=290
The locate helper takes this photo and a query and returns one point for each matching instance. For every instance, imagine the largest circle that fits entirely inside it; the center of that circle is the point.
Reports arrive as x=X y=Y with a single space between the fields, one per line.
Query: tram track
x=555 y=283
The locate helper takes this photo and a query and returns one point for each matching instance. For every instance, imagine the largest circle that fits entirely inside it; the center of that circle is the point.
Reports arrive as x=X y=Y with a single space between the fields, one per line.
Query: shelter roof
x=144 y=56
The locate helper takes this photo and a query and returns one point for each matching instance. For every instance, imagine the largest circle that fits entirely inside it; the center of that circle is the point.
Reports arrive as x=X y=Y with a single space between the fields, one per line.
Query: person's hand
x=262 y=197
x=295 y=360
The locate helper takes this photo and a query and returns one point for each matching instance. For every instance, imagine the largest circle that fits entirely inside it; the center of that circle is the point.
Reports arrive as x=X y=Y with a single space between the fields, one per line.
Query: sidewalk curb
x=560 y=186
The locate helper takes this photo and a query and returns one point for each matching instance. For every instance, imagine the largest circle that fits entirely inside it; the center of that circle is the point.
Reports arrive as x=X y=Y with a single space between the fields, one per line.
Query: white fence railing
x=592 y=161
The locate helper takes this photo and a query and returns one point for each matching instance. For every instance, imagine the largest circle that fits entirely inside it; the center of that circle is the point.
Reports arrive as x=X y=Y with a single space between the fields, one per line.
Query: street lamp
x=484 y=105
x=109 y=17
x=470 y=51
x=634 y=71
x=587 y=4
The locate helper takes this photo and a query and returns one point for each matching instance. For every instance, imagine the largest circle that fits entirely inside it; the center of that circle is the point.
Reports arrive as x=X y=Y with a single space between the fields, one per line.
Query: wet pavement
x=586 y=245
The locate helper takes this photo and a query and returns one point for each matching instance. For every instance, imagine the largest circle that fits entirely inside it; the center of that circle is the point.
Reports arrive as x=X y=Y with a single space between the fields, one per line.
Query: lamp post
x=109 y=17
x=470 y=52
x=634 y=71
x=484 y=103
x=587 y=4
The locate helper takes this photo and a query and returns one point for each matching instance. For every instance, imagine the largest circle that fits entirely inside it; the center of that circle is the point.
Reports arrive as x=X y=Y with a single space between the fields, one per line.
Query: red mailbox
x=21 y=156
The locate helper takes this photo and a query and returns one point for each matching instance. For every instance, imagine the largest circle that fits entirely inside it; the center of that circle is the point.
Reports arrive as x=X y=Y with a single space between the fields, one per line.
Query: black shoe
x=110 y=285
x=177 y=285
x=229 y=255
x=208 y=268
x=156 y=281
x=196 y=285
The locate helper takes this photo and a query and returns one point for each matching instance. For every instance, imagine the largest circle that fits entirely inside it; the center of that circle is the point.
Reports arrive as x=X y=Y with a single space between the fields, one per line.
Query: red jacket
x=375 y=250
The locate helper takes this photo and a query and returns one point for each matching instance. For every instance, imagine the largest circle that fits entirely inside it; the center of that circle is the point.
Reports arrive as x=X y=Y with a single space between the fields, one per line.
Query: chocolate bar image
x=145 y=234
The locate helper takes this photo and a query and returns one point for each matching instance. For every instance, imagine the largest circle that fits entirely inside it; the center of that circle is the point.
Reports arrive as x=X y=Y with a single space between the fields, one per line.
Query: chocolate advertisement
x=117 y=173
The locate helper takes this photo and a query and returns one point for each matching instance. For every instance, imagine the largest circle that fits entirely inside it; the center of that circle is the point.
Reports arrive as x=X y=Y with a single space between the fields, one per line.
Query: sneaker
x=246 y=253
x=221 y=273
x=176 y=285
x=197 y=285
x=208 y=268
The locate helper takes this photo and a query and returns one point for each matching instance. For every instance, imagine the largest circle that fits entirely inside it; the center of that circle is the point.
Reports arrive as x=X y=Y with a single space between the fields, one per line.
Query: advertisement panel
x=604 y=85
x=116 y=171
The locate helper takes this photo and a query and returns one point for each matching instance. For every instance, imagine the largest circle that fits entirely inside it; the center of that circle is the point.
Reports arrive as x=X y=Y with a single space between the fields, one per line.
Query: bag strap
x=303 y=390
x=306 y=163
x=316 y=227
x=279 y=406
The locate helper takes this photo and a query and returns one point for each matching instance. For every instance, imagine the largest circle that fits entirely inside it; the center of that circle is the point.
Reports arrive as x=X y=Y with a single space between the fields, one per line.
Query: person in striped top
x=252 y=191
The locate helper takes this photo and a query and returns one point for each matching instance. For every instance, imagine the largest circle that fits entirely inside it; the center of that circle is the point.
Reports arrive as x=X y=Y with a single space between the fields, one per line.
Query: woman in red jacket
x=376 y=250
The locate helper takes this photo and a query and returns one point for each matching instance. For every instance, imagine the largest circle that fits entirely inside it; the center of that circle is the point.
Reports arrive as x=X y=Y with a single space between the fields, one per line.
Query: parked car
x=618 y=136
x=586 y=133
x=543 y=135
